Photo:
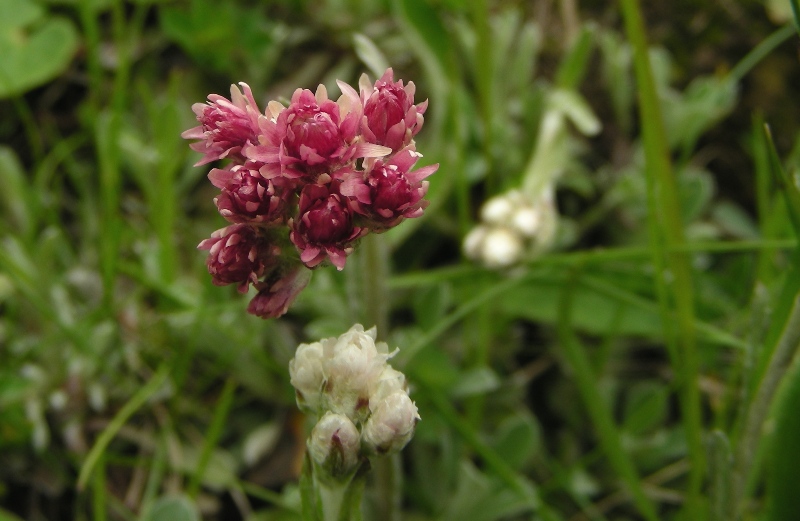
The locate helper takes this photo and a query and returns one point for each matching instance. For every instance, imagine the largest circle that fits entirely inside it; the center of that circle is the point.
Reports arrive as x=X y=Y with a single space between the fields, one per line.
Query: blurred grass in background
x=627 y=374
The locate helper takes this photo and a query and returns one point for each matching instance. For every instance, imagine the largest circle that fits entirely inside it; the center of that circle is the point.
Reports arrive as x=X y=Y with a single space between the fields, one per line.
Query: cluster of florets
x=305 y=182
x=511 y=225
x=362 y=402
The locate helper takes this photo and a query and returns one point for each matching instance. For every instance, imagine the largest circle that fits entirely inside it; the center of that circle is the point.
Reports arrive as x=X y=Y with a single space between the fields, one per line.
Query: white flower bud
x=502 y=247
x=307 y=375
x=354 y=361
x=526 y=220
x=391 y=425
x=334 y=444
x=390 y=381
x=498 y=209
x=473 y=242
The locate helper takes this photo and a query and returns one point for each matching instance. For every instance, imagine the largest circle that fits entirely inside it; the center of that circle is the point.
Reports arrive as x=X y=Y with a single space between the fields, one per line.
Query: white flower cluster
x=362 y=401
x=511 y=225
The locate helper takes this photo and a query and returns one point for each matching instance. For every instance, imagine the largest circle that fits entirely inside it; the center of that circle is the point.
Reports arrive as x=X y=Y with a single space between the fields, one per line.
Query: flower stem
x=375 y=311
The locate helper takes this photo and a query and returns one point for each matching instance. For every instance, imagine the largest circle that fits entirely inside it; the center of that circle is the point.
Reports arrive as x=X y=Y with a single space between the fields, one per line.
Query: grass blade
x=133 y=405
x=666 y=232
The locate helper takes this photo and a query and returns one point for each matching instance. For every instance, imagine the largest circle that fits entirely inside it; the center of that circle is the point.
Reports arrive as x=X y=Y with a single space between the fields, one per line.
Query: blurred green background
x=580 y=384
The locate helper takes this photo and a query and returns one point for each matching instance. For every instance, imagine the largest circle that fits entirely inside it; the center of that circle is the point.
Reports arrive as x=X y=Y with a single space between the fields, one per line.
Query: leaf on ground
x=31 y=56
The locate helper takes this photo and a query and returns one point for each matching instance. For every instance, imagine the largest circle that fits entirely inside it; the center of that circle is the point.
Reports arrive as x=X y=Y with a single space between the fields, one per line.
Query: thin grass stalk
x=118 y=421
x=215 y=429
x=761 y=51
x=99 y=492
x=586 y=381
x=667 y=232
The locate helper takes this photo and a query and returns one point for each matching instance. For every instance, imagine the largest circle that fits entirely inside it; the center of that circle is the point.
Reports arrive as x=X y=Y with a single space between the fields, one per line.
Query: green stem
x=137 y=401
x=760 y=51
x=214 y=433
x=375 y=311
x=374 y=277
x=610 y=437
x=760 y=406
x=666 y=232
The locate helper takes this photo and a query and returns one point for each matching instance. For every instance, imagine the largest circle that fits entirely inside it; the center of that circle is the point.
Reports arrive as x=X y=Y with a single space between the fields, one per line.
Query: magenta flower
x=277 y=294
x=313 y=135
x=247 y=196
x=390 y=191
x=226 y=126
x=237 y=254
x=329 y=171
x=390 y=116
x=324 y=226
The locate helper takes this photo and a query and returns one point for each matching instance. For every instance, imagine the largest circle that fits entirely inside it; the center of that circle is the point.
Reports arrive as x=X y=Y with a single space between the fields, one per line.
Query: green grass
x=627 y=371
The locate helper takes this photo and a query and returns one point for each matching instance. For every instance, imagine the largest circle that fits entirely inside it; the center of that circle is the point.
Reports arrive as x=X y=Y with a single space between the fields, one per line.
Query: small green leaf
x=646 y=408
x=480 y=380
x=518 y=439
x=30 y=57
x=173 y=508
x=783 y=489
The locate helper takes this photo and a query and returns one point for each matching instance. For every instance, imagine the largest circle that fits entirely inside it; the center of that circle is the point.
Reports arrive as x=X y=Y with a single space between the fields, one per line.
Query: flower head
x=247 y=196
x=389 y=191
x=317 y=173
x=390 y=116
x=226 y=126
x=324 y=226
x=237 y=254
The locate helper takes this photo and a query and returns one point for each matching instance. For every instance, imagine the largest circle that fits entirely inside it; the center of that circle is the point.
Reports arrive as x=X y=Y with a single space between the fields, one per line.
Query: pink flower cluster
x=310 y=178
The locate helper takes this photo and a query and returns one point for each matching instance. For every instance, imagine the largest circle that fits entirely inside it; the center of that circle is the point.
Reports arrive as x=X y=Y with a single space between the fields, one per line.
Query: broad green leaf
x=5 y=515
x=31 y=56
x=16 y=196
x=480 y=380
x=173 y=508
x=646 y=407
x=783 y=490
x=518 y=439
x=592 y=311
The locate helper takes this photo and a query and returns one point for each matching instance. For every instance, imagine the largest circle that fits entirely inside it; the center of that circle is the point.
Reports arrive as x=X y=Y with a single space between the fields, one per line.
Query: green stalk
x=760 y=51
x=666 y=232
x=133 y=405
x=99 y=492
x=375 y=312
x=586 y=381
x=214 y=433
x=757 y=412
x=484 y=81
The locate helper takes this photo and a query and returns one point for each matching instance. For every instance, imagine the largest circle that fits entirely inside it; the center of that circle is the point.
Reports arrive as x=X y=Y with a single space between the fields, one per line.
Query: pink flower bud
x=247 y=196
x=225 y=125
x=316 y=134
x=324 y=226
x=389 y=191
x=237 y=254
x=276 y=294
x=390 y=116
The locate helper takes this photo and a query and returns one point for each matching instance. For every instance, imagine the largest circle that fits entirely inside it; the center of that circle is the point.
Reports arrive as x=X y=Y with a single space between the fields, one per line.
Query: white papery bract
x=334 y=444
x=307 y=375
x=347 y=381
x=391 y=425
